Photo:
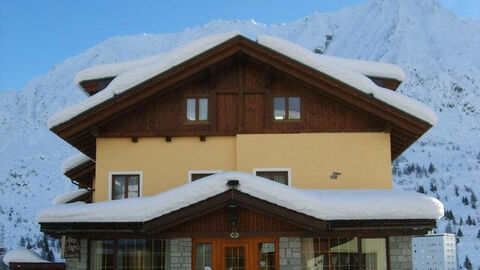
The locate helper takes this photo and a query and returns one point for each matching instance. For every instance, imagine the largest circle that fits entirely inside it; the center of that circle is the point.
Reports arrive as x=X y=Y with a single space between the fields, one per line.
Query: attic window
x=286 y=108
x=197 y=109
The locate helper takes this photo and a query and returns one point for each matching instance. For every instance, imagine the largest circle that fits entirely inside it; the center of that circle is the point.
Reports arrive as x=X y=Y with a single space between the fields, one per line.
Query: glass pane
x=294 y=108
x=196 y=176
x=140 y=254
x=279 y=108
x=374 y=254
x=330 y=253
x=277 y=176
x=266 y=256
x=118 y=187
x=191 y=109
x=101 y=255
x=133 y=186
x=204 y=256
x=234 y=258
x=203 y=109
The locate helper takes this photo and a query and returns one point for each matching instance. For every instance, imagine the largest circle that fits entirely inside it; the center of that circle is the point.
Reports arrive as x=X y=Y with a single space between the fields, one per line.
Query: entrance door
x=235 y=254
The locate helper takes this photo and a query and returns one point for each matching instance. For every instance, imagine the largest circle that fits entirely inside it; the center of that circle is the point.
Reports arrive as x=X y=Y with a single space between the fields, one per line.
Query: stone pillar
x=290 y=253
x=180 y=254
x=400 y=252
x=80 y=263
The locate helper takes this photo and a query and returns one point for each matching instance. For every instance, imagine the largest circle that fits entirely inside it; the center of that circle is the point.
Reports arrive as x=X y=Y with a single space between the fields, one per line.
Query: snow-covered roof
x=135 y=76
x=348 y=71
x=74 y=161
x=367 y=68
x=350 y=77
x=112 y=70
x=69 y=195
x=22 y=255
x=321 y=204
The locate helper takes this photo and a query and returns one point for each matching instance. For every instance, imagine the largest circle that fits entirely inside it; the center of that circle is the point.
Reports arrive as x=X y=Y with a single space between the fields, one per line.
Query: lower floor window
x=134 y=254
x=344 y=253
x=280 y=176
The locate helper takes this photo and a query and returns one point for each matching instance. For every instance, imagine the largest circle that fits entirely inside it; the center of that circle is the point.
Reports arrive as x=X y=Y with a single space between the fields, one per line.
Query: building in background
x=434 y=252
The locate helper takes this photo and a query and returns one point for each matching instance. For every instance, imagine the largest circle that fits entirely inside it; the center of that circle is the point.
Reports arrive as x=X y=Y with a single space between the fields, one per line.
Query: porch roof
x=327 y=205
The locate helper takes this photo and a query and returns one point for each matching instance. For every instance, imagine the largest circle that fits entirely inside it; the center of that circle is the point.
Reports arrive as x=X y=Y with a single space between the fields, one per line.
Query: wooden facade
x=241 y=95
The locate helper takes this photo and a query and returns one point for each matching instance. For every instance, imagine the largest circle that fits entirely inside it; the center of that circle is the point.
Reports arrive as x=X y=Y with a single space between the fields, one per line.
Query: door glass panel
x=204 y=256
x=234 y=258
x=266 y=256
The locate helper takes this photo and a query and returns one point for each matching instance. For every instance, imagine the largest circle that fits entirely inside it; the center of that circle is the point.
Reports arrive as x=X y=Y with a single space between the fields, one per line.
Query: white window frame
x=201 y=171
x=288 y=170
x=110 y=180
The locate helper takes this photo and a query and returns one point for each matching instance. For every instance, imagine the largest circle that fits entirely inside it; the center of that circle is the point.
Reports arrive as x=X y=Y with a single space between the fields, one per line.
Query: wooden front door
x=235 y=254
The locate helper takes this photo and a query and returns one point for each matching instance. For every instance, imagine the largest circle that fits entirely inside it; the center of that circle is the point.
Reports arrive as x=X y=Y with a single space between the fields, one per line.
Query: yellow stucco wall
x=363 y=159
x=165 y=165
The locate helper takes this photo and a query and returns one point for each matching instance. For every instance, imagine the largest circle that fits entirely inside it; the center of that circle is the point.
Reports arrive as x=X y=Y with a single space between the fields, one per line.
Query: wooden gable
x=241 y=76
x=240 y=94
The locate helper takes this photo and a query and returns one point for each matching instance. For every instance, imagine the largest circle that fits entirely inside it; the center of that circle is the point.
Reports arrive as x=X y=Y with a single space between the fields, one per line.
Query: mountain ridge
x=436 y=49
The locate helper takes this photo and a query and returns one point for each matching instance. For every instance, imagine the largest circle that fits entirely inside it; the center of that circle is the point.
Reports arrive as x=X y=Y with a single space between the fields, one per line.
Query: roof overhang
x=310 y=224
x=315 y=211
x=81 y=130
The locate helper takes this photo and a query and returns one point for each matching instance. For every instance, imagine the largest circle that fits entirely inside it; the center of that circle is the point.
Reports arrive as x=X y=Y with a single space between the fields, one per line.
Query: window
x=266 y=256
x=101 y=254
x=125 y=185
x=137 y=254
x=344 y=253
x=195 y=175
x=287 y=108
x=197 y=109
x=203 y=256
x=279 y=175
x=374 y=253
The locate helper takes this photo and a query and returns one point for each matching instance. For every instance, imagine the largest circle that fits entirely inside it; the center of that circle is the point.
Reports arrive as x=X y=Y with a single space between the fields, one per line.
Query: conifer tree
x=467 y=264
x=469 y=220
x=459 y=233
x=431 y=168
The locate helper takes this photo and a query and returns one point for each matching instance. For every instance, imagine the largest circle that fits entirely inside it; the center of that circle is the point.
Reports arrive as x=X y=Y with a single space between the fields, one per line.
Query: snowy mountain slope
x=437 y=50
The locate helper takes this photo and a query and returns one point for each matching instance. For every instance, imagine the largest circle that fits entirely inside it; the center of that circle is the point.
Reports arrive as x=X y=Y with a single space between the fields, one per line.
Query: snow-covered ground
x=438 y=52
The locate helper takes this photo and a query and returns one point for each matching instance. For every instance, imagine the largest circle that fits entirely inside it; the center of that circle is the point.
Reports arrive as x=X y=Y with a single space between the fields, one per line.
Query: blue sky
x=36 y=35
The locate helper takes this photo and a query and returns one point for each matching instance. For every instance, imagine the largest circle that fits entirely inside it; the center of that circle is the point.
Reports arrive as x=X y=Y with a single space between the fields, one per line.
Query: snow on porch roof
x=74 y=161
x=321 y=204
x=22 y=255
x=134 y=73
